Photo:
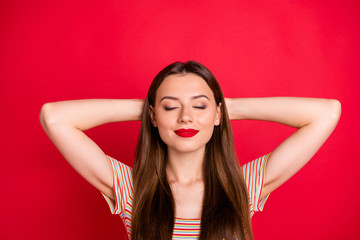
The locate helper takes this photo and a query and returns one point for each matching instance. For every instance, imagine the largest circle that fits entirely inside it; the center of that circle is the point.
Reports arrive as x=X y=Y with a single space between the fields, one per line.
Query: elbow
x=47 y=116
x=334 y=110
x=44 y=115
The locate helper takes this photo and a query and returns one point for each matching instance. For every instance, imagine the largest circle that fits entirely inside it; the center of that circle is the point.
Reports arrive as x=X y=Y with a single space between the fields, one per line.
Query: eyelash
x=200 y=107
x=172 y=108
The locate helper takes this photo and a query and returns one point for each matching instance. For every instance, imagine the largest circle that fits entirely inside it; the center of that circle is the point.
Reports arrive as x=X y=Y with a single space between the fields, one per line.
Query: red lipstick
x=186 y=133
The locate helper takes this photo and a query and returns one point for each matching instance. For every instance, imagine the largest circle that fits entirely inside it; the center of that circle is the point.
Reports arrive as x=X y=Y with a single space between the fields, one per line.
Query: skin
x=185 y=101
x=65 y=122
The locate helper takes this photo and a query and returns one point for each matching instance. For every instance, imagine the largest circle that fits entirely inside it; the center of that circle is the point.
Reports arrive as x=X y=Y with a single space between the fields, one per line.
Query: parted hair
x=225 y=207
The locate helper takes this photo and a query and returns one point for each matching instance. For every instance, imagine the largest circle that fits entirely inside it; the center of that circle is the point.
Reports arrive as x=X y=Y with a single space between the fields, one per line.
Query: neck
x=185 y=167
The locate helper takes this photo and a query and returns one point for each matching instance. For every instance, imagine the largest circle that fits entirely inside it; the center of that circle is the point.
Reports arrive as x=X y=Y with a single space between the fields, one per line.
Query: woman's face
x=185 y=112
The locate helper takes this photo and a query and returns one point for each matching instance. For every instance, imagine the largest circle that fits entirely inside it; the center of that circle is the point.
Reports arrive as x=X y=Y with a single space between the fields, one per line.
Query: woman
x=185 y=165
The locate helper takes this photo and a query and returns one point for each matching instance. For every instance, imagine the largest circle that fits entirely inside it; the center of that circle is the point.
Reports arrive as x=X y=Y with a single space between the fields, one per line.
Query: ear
x=218 y=115
x=152 y=115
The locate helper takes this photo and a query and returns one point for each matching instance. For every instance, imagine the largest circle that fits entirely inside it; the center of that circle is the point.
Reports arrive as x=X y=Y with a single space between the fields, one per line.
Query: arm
x=315 y=119
x=64 y=123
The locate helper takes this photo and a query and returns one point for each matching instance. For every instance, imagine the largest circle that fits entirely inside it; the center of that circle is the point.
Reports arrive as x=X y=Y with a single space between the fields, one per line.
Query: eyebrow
x=194 y=97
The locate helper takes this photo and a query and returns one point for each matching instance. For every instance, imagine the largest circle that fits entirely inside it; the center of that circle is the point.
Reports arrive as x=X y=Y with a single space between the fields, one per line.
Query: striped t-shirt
x=189 y=229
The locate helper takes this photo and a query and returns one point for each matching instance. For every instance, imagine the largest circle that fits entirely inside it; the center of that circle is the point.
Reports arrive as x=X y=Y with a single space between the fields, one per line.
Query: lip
x=186 y=133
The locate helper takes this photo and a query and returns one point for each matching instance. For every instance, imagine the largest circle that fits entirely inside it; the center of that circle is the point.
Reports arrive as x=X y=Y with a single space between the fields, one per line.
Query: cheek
x=164 y=126
x=207 y=119
x=163 y=136
x=206 y=123
x=166 y=121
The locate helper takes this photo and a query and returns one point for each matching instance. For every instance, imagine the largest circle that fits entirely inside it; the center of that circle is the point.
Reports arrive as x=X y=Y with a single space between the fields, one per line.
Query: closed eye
x=169 y=108
x=200 y=107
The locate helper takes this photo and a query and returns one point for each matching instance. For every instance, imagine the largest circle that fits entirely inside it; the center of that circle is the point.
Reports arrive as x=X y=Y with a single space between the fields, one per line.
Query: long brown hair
x=225 y=211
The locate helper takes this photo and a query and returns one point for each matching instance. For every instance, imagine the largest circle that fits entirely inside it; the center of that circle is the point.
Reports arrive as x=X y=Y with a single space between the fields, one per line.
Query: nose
x=185 y=115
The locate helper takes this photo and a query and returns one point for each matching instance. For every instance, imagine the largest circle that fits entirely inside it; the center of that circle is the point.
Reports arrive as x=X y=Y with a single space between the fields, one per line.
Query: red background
x=59 y=50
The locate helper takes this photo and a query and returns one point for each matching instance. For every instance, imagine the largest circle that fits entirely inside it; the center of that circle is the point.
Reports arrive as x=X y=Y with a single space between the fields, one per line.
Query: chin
x=187 y=147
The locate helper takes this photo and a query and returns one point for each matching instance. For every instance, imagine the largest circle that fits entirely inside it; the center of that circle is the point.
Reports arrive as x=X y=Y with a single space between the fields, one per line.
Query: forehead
x=183 y=86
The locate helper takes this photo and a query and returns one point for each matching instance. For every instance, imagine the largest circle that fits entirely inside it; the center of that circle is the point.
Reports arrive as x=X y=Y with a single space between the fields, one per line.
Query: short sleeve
x=123 y=188
x=254 y=176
